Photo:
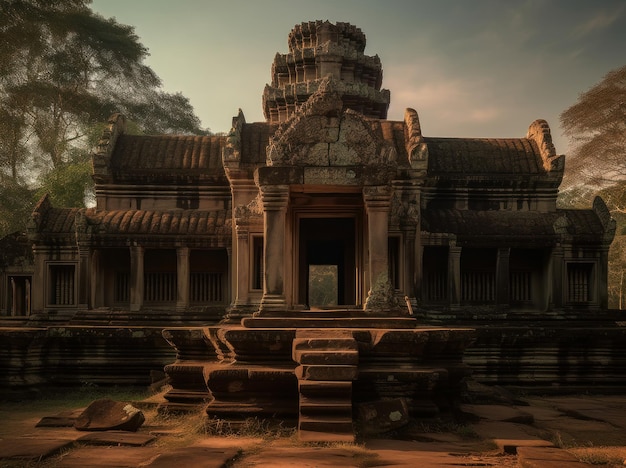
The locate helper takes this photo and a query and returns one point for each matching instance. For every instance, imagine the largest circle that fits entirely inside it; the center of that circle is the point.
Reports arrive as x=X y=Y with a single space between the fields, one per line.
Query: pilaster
x=454 y=277
x=95 y=278
x=136 y=277
x=503 y=277
x=275 y=199
x=377 y=201
x=84 y=275
x=182 y=278
x=38 y=293
x=557 y=267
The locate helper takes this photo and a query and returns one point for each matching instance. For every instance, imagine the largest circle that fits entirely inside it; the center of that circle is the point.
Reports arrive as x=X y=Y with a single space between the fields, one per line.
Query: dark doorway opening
x=19 y=296
x=327 y=266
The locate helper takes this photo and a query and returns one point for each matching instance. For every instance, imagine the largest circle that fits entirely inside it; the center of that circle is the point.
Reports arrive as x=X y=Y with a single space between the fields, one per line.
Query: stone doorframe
x=356 y=214
x=275 y=201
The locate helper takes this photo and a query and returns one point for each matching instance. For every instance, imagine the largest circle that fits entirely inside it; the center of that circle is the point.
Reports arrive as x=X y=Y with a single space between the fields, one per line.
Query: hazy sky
x=473 y=68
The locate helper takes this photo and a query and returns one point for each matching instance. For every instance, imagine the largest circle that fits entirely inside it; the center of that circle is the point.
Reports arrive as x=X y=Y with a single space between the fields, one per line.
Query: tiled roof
x=512 y=226
x=59 y=221
x=583 y=223
x=62 y=222
x=483 y=156
x=174 y=222
x=137 y=154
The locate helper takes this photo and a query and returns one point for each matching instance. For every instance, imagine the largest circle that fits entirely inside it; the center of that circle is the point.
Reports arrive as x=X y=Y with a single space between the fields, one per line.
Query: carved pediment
x=322 y=134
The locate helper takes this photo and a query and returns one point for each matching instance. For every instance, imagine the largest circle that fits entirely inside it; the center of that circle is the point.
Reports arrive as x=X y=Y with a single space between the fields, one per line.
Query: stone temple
x=307 y=258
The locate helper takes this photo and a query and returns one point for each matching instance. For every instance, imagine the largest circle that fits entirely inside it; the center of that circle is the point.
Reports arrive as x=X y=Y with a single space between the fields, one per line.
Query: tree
x=16 y=202
x=63 y=69
x=596 y=126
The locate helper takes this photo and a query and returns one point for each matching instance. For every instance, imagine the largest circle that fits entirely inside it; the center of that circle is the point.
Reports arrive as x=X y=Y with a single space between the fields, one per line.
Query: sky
x=470 y=68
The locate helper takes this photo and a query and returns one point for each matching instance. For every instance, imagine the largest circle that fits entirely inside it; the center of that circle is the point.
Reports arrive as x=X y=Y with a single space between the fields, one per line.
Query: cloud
x=602 y=20
x=449 y=102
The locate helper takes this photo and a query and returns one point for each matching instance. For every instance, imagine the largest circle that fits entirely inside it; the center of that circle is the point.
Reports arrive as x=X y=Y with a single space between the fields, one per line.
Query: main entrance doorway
x=327 y=262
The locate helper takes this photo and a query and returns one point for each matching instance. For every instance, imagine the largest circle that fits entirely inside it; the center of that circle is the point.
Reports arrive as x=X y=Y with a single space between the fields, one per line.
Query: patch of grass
x=249 y=427
x=362 y=457
x=606 y=456
x=466 y=432
x=184 y=427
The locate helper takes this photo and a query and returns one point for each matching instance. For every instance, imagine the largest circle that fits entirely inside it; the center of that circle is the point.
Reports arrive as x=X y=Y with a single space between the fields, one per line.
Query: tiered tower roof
x=319 y=49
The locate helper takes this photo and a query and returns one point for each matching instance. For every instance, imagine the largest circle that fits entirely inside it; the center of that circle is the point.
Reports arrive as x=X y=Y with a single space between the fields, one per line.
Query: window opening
x=62 y=285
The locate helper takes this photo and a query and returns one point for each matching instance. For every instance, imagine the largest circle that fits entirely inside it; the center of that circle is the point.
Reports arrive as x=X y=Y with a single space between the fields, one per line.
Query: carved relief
x=232 y=151
x=404 y=210
x=539 y=131
x=322 y=134
x=416 y=148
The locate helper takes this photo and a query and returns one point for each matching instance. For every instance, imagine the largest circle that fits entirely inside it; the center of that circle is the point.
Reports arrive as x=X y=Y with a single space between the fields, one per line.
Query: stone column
x=503 y=277
x=275 y=199
x=410 y=222
x=454 y=277
x=602 y=278
x=95 y=278
x=13 y=294
x=84 y=275
x=39 y=273
x=412 y=269
x=242 y=281
x=182 y=278
x=136 y=277
x=377 y=204
x=556 y=267
x=228 y=296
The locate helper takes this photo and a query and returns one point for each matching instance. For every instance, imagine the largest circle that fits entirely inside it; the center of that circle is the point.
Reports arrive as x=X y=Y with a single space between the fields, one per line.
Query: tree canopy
x=596 y=126
x=63 y=71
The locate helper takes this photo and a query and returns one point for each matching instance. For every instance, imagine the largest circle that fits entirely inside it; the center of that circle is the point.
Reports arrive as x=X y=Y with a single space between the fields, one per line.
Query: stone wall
x=558 y=356
x=32 y=358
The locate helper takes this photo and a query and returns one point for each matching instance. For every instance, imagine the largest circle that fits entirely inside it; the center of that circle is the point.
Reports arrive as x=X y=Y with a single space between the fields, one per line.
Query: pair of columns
x=501 y=274
x=275 y=199
x=137 y=278
x=555 y=277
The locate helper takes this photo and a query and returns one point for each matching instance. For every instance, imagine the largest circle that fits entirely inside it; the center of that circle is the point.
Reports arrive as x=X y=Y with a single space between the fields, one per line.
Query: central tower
x=317 y=50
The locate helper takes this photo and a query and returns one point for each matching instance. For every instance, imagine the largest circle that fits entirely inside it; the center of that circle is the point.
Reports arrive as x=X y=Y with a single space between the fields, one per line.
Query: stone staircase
x=327 y=364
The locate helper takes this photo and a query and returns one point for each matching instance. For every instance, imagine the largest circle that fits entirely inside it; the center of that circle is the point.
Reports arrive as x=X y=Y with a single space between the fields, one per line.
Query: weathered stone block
x=322 y=372
x=108 y=415
x=384 y=415
x=328 y=389
x=346 y=358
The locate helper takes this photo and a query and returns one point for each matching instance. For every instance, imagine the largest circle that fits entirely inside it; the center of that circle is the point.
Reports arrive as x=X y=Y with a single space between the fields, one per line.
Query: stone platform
x=316 y=368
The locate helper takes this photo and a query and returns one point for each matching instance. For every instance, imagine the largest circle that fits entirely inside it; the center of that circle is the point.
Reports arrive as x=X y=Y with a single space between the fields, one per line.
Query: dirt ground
x=580 y=430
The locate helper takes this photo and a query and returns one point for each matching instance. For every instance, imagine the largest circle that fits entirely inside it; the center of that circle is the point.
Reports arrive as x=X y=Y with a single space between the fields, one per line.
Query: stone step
x=325 y=389
x=324 y=372
x=330 y=357
x=330 y=322
x=324 y=343
x=331 y=424
x=319 y=406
